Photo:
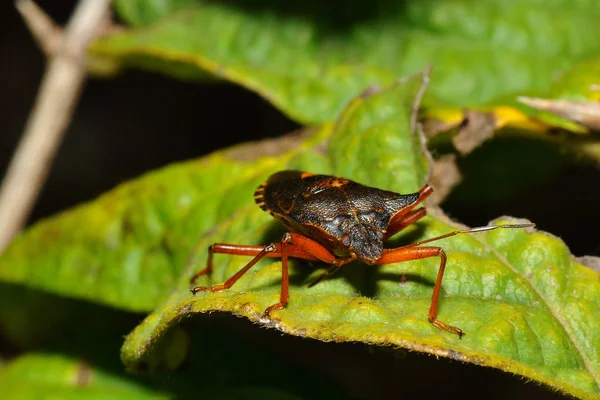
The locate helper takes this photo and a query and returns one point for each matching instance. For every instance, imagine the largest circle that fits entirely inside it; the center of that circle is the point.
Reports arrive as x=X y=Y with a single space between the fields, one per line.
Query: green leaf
x=518 y=295
x=49 y=376
x=526 y=306
x=577 y=83
x=309 y=58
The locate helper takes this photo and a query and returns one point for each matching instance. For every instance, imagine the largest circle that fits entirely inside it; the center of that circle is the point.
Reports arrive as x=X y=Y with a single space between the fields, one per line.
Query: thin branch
x=50 y=116
x=44 y=30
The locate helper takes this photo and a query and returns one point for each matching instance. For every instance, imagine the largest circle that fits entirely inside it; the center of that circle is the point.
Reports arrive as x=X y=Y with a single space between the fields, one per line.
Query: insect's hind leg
x=224 y=248
x=258 y=251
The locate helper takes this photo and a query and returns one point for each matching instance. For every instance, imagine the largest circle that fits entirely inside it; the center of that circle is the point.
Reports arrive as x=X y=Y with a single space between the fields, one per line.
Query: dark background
x=138 y=122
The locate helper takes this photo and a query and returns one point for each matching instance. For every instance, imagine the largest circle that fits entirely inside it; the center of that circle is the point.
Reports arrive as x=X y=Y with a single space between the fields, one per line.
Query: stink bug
x=336 y=221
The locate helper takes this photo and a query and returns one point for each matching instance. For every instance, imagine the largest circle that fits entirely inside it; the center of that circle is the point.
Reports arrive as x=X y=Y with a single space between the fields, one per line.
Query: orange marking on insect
x=305 y=175
x=337 y=183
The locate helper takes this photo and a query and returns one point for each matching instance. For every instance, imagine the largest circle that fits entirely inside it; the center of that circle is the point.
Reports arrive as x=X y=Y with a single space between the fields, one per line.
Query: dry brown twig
x=47 y=34
x=585 y=113
x=53 y=108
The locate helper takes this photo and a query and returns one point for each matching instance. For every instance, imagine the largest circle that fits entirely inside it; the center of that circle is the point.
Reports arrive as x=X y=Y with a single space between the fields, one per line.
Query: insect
x=336 y=221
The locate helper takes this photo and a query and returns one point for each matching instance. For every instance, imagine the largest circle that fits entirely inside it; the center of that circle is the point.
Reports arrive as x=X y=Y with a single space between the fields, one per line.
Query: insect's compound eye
x=346 y=241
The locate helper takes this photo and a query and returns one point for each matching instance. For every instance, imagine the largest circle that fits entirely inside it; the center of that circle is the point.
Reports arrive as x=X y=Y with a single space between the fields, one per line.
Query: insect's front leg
x=397 y=224
x=415 y=253
x=408 y=215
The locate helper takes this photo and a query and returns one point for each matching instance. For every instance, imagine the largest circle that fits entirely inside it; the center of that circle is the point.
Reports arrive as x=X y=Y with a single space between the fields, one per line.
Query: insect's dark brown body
x=342 y=215
x=336 y=221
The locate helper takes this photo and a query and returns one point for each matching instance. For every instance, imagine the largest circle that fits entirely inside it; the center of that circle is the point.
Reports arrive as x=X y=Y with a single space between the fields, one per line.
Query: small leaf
x=47 y=376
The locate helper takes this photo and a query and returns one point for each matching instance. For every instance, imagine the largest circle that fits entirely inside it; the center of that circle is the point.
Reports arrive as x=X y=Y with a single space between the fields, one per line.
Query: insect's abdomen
x=330 y=204
x=289 y=193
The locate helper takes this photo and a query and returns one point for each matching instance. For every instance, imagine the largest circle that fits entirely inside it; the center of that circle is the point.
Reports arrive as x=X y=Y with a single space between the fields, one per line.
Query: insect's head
x=364 y=241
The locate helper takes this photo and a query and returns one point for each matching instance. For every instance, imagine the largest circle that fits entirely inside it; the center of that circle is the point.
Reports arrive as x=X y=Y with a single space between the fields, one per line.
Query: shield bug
x=336 y=221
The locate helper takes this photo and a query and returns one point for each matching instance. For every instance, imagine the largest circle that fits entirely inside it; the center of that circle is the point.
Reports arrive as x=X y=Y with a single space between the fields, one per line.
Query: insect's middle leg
x=299 y=244
x=415 y=253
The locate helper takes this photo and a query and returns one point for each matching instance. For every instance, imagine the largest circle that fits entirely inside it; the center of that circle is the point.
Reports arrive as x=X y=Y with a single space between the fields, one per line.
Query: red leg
x=272 y=248
x=242 y=250
x=407 y=212
x=414 y=253
x=291 y=245
x=314 y=248
x=224 y=248
x=397 y=224
x=284 y=295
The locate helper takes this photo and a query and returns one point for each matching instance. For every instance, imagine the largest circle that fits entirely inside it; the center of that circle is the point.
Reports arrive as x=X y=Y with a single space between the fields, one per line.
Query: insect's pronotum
x=336 y=221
